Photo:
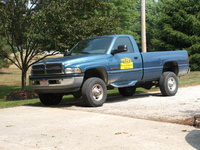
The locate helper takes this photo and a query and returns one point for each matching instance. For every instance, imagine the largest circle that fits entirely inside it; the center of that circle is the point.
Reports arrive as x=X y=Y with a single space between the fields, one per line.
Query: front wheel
x=50 y=99
x=168 y=83
x=94 y=92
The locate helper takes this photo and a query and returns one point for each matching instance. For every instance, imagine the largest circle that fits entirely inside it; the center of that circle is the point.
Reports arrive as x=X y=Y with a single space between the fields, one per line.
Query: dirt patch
x=21 y=95
x=187 y=121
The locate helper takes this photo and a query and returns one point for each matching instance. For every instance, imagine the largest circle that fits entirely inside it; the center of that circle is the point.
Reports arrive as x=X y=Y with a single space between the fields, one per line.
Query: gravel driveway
x=180 y=108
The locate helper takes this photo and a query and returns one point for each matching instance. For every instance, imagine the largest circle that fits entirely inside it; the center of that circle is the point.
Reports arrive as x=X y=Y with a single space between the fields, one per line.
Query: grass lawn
x=10 y=82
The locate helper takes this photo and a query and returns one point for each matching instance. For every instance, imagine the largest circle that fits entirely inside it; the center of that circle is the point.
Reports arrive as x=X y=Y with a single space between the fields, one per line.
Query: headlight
x=72 y=70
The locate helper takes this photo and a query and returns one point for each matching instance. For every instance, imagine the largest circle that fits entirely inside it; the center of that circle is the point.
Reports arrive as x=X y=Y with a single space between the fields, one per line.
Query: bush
x=195 y=62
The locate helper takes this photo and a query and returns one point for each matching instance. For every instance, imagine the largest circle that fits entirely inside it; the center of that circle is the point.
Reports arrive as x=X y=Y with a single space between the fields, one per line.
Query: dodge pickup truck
x=97 y=64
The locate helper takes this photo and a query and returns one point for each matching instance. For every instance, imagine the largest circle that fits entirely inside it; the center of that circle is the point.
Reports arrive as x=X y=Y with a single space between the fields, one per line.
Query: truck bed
x=155 y=62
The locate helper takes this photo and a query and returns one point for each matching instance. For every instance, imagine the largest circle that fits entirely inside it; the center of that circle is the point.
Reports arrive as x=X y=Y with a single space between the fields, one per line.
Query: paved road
x=30 y=128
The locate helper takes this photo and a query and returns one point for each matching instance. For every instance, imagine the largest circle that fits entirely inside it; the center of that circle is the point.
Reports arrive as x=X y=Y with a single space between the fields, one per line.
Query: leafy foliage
x=4 y=62
x=30 y=28
x=128 y=13
x=67 y=22
x=176 y=25
x=20 y=27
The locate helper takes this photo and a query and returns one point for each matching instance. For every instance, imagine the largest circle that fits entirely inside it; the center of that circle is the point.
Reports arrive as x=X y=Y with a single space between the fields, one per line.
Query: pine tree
x=176 y=25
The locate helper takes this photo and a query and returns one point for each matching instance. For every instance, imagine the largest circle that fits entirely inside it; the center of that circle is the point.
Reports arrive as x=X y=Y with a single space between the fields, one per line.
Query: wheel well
x=171 y=66
x=96 y=72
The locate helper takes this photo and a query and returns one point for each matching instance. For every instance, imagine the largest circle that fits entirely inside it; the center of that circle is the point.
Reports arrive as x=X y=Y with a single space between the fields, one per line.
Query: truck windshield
x=91 y=46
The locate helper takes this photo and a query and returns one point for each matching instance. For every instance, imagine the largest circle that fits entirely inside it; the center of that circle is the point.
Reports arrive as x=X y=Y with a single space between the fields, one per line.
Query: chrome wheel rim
x=97 y=92
x=171 y=84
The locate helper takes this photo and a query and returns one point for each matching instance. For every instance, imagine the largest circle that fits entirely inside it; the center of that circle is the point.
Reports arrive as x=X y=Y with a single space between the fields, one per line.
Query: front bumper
x=62 y=84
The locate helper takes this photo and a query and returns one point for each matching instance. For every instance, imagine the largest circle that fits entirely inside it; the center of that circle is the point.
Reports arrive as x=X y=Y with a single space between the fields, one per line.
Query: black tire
x=50 y=99
x=127 y=91
x=168 y=84
x=94 y=92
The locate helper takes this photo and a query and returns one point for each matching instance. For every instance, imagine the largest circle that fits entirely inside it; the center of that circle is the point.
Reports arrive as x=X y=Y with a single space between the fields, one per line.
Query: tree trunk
x=23 y=79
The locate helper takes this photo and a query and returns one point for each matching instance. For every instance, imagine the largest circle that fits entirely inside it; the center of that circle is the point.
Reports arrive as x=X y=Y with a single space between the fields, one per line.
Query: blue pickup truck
x=97 y=64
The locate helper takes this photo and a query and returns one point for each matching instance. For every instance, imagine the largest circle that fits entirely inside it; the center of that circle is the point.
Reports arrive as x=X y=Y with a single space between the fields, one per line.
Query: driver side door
x=127 y=66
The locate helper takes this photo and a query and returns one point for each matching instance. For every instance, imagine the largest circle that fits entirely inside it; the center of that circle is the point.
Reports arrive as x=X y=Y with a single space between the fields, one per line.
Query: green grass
x=187 y=80
x=5 y=90
x=32 y=102
x=193 y=78
x=6 y=104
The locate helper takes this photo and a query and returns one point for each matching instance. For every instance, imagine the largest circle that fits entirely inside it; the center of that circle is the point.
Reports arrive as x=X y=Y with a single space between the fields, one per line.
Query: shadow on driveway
x=112 y=98
x=193 y=138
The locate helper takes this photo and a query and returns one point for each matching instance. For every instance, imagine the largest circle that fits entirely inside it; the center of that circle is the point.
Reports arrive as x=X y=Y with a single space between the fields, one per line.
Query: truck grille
x=44 y=69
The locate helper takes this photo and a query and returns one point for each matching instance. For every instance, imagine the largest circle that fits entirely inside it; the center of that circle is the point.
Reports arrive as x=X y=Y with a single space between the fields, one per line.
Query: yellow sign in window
x=126 y=63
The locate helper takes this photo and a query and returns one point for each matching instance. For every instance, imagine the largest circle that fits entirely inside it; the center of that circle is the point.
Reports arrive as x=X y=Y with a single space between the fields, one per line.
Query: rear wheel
x=127 y=91
x=94 y=92
x=168 y=83
x=50 y=99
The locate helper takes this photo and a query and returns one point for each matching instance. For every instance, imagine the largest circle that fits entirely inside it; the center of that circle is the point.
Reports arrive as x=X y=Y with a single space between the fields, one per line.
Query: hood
x=78 y=59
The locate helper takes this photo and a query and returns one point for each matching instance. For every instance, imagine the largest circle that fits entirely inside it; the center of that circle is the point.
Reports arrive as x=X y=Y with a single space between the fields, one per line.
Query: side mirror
x=66 y=53
x=120 y=49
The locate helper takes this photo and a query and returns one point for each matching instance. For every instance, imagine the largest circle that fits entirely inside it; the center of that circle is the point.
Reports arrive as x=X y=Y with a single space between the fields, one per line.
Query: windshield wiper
x=84 y=53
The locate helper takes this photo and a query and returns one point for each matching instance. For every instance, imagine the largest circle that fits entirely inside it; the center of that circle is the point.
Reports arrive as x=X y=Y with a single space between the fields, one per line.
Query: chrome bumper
x=57 y=85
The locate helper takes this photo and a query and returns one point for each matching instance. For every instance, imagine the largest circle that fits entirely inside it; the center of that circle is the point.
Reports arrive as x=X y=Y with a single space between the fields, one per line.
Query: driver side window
x=124 y=41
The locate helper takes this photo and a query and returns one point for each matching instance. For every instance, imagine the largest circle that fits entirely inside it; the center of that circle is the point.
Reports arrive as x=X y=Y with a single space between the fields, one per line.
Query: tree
x=30 y=28
x=175 y=25
x=69 y=21
x=21 y=30
x=3 y=61
x=128 y=13
x=6 y=50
